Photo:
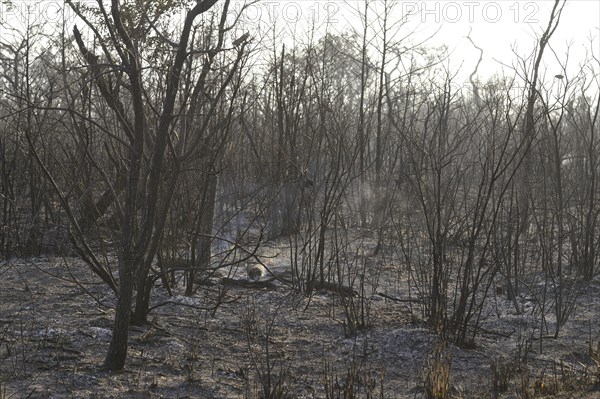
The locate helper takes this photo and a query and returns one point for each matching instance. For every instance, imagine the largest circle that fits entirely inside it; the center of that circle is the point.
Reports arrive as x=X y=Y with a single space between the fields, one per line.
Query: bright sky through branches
x=504 y=29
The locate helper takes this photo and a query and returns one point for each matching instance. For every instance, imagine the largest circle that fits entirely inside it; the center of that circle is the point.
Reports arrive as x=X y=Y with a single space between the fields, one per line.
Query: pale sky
x=499 y=27
x=516 y=29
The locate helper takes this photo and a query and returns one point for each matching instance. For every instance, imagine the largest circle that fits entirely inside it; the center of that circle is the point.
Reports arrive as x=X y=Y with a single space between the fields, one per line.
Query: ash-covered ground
x=56 y=319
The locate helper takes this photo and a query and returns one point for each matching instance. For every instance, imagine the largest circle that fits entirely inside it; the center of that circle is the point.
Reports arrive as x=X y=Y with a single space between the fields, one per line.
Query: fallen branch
x=393 y=298
x=248 y=284
x=334 y=287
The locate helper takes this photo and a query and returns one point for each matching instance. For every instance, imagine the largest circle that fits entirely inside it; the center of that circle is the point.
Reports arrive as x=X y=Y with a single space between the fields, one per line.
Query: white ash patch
x=99 y=332
x=187 y=300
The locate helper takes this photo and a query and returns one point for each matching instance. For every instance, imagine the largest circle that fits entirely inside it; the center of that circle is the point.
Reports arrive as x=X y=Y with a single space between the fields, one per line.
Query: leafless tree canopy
x=164 y=144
